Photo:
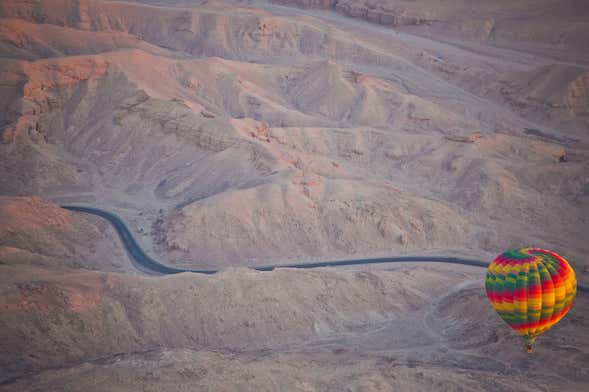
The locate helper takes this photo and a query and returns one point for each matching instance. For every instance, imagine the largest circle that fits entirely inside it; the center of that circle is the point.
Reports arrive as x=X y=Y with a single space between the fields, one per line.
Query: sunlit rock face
x=37 y=232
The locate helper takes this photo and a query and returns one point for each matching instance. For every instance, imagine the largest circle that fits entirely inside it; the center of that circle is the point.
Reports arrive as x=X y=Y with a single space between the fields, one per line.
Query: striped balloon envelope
x=531 y=289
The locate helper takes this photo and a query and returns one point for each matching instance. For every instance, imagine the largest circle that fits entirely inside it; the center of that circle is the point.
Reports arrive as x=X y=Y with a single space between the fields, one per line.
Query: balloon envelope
x=531 y=289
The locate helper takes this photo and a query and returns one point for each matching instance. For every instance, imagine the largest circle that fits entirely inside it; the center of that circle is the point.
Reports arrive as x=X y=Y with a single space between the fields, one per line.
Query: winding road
x=146 y=264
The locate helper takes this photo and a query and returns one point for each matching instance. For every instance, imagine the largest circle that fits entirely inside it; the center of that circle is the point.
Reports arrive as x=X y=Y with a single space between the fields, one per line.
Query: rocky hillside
x=506 y=23
x=228 y=134
x=414 y=328
x=36 y=232
x=261 y=134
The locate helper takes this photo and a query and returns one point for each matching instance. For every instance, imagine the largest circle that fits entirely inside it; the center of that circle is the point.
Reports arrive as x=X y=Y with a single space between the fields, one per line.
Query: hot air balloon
x=531 y=289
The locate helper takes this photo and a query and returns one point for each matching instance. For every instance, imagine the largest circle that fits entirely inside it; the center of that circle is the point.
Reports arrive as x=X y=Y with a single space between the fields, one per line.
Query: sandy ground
x=410 y=328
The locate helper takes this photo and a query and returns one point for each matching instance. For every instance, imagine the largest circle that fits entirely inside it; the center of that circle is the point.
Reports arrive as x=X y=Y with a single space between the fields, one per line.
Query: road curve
x=146 y=264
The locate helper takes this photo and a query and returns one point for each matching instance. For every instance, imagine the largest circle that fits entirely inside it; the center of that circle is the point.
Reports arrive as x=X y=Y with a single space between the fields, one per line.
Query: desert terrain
x=232 y=134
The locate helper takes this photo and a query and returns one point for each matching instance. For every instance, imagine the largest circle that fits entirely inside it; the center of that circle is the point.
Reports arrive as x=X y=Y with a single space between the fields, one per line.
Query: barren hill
x=229 y=134
x=267 y=124
x=522 y=23
x=413 y=328
x=39 y=233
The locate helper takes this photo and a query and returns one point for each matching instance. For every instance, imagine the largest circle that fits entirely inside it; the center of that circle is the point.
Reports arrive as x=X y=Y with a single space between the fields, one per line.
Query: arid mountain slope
x=37 y=232
x=237 y=133
x=505 y=23
x=265 y=331
x=234 y=309
x=206 y=123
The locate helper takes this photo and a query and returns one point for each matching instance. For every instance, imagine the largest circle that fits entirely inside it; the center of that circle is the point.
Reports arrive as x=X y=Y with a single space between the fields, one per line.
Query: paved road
x=146 y=264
